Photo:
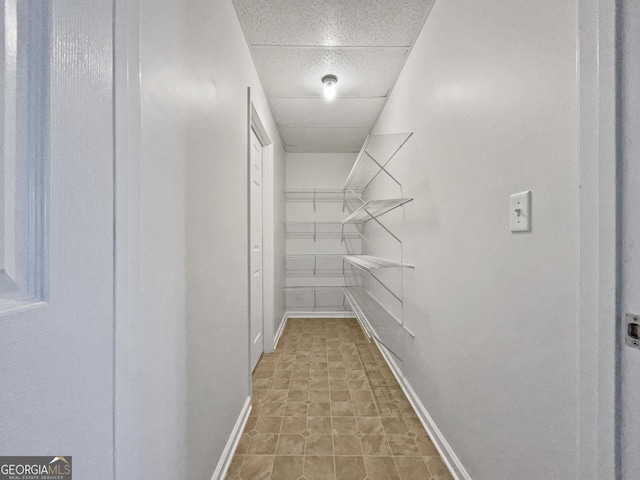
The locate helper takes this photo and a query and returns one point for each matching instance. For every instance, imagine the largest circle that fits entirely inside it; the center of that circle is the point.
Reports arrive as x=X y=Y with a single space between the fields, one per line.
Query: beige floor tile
x=350 y=468
x=287 y=467
x=318 y=468
x=412 y=468
x=342 y=409
x=375 y=445
x=362 y=396
x=387 y=409
x=347 y=445
x=359 y=384
x=280 y=383
x=293 y=424
x=243 y=444
x=319 y=383
x=426 y=446
x=344 y=425
x=300 y=384
x=382 y=468
x=297 y=395
x=295 y=409
x=290 y=444
x=263 y=444
x=319 y=425
x=341 y=384
x=277 y=395
x=322 y=396
x=370 y=425
x=365 y=409
x=282 y=374
x=394 y=426
x=261 y=383
x=437 y=467
x=268 y=424
x=234 y=467
x=401 y=445
x=273 y=409
x=319 y=445
x=319 y=409
x=256 y=467
x=327 y=398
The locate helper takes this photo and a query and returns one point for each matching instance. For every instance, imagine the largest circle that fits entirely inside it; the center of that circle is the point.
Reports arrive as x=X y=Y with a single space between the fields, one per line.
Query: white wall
x=490 y=92
x=318 y=170
x=188 y=369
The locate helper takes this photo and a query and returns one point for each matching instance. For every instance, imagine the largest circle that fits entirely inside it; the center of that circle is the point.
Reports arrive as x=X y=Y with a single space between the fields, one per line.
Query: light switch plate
x=520 y=212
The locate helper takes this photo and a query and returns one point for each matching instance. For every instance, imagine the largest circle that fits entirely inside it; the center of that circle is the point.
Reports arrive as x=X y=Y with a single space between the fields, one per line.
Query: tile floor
x=327 y=407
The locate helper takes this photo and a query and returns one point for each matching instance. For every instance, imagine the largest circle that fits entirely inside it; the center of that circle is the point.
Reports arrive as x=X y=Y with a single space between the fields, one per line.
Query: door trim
x=268 y=253
x=598 y=310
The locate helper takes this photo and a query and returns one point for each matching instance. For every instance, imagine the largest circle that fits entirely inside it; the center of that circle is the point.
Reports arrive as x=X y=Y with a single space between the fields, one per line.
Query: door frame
x=598 y=305
x=268 y=249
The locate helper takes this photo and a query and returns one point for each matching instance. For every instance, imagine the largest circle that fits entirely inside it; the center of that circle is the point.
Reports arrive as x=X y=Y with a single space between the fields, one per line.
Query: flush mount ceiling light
x=329 y=82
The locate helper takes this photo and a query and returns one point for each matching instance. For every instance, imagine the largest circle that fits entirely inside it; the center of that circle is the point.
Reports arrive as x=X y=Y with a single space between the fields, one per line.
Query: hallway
x=186 y=185
x=326 y=406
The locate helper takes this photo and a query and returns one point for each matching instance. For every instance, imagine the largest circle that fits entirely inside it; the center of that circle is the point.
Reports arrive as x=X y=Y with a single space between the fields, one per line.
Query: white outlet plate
x=520 y=212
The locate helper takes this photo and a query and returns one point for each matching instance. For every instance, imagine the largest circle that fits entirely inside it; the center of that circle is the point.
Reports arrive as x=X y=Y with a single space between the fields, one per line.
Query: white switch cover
x=520 y=212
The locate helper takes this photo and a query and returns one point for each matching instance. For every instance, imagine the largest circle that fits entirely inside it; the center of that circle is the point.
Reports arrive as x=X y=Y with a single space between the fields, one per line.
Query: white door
x=256 y=250
x=56 y=232
x=630 y=232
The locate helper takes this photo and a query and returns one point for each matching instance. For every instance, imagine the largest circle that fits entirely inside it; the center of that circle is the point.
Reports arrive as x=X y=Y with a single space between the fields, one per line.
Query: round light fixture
x=329 y=82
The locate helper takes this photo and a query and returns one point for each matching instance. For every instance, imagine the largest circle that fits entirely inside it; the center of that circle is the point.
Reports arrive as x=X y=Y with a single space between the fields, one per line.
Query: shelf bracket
x=382 y=169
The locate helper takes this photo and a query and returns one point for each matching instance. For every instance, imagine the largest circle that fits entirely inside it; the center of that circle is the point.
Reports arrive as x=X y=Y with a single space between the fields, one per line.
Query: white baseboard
x=283 y=324
x=449 y=457
x=232 y=444
x=320 y=315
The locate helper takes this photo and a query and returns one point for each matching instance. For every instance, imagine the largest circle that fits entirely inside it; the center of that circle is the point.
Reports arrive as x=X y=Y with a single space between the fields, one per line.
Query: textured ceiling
x=295 y=42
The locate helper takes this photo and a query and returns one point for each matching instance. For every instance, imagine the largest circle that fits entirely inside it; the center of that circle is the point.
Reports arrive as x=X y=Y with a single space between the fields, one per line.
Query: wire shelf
x=321 y=230
x=320 y=195
x=377 y=321
x=368 y=263
x=316 y=299
x=373 y=209
x=373 y=159
x=314 y=265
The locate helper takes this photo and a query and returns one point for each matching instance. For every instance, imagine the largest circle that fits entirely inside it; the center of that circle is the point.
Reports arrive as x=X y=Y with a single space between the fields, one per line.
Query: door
x=256 y=251
x=630 y=232
x=56 y=232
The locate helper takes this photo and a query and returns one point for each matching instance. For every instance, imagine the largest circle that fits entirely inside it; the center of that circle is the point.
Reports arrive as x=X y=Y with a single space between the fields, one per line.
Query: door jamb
x=598 y=457
x=268 y=253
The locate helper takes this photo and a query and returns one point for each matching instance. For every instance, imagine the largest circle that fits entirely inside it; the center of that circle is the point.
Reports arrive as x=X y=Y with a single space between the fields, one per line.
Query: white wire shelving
x=373 y=209
x=316 y=299
x=316 y=196
x=369 y=263
x=315 y=265
x=374 y=190
x=321 y=230
x=375 y=315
